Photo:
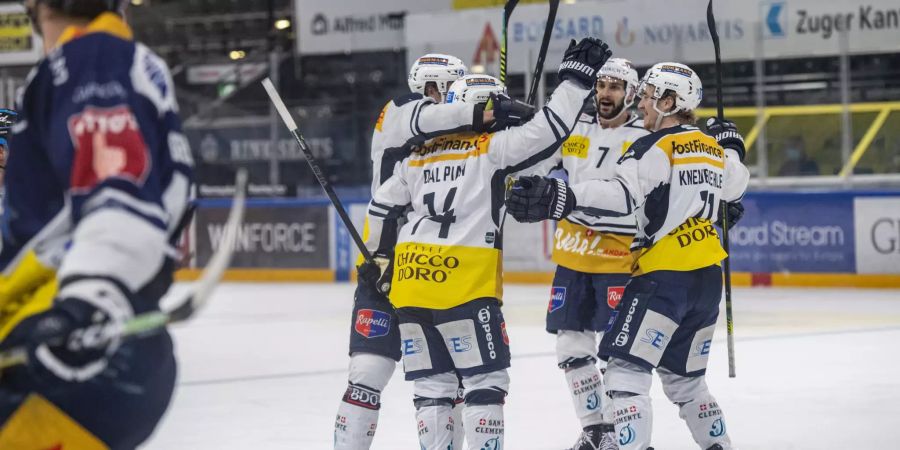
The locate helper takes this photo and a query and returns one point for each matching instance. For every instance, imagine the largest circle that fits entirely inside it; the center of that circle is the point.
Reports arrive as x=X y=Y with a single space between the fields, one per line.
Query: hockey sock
x=434 y=419
x=357 y=418
x=483 y=427
x=705 y=420
x=586 y=390
x=633 y=419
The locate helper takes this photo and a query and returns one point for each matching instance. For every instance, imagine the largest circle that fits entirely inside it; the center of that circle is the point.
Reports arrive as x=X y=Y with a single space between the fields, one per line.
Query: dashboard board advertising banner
x=877 y=224
x=789 y=232
x=275 y=234
x=650 y=31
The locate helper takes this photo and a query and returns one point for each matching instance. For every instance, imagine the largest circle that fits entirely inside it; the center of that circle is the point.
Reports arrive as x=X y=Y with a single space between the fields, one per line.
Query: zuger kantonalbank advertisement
x=274 y=235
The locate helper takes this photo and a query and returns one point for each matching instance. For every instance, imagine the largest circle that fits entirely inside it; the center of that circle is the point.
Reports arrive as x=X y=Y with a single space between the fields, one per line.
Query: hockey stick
x=189 y=303
x=726 y=264
x=320 y=176
x=542 y=54
x=507 y=13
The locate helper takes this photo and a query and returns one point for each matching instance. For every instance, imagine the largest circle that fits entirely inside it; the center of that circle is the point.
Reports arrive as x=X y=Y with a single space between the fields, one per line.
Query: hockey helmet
x=8 y=118
x=474 y=89
x=677 y=78
x=85 y=8
x=436 y=68
x=622 y=69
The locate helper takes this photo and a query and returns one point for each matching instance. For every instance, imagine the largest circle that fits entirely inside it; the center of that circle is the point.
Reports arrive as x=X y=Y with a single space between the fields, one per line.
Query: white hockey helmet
x=677 y=78
x=622 y=69
x=436 y=68
x=475 y=88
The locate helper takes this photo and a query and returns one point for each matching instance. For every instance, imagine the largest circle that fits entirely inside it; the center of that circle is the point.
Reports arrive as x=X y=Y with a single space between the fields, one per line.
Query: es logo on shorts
x=371 y=323
x=557 y=298
x=614 y=295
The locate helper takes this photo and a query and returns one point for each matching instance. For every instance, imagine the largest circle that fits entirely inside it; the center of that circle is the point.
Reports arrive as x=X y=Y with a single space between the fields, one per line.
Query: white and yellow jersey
x=584 y=242
x=449 y=251
x=411 y=120
x=672 y=180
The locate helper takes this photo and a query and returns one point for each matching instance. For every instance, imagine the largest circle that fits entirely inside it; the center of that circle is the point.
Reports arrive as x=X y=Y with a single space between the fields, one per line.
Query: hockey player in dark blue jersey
x=98 y=181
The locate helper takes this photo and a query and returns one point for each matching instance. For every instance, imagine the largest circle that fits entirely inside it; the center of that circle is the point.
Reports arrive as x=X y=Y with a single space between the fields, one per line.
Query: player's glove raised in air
x=726 y=132
x=534 y=198
x=509 y=112
x=74 y=339
x=582 y=61
x=377 y=273
x=735 y=212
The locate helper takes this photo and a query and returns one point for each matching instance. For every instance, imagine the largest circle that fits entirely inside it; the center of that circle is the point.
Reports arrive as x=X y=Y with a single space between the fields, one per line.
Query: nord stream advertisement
x=783 y=232
x=833 y=232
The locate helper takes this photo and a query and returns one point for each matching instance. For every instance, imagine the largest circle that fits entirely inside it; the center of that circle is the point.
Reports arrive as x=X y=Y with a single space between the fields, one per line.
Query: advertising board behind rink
x=787 y=232
x=272 y=236
x=877 y=223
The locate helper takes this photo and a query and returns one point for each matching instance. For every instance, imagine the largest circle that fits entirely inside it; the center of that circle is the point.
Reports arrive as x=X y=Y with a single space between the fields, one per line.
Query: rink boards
x=797 y=238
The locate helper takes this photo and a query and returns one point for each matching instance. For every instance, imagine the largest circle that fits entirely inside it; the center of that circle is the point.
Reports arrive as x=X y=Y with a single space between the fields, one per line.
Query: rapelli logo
x=614 y=296
x=372 y=323
x=424 y=267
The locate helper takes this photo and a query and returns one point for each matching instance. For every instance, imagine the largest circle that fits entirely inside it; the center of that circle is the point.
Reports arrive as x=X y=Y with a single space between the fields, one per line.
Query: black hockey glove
x=376 y=273
x=534 y=198
x=73 y=340
x=582 y=61
x=509 y=112
x=726 y=132
x=735 y=212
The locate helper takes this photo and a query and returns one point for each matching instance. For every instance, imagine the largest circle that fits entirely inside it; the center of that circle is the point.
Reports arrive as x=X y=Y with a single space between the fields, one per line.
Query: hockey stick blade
x=276 y=100
x=191 y=302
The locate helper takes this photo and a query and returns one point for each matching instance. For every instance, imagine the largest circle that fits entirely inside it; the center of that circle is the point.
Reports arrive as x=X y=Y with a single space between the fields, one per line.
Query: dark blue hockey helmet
x=85 y=8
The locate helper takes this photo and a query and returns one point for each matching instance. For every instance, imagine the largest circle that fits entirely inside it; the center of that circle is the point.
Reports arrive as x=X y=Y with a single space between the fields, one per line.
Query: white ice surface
x=264 y=367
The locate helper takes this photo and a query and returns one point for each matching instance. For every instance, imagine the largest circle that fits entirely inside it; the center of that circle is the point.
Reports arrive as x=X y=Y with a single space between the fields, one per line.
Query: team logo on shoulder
x=614 y=295
x=108 y=144
x=371 y=323
x=557 y=298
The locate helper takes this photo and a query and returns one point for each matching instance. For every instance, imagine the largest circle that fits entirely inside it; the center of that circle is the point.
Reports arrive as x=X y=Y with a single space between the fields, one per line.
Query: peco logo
x=622 y=337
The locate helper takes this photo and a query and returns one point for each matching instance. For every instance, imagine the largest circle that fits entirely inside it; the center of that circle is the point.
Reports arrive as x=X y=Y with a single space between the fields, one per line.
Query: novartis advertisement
x=649 y=31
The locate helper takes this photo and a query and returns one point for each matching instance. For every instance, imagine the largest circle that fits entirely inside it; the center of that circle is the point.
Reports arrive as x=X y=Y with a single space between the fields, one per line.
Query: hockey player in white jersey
x=374 y=337
x=446 y=277
x=592 y=253
x=672 y=180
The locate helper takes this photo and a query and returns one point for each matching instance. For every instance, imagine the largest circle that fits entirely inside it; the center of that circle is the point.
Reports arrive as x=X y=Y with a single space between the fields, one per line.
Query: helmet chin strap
x=660 y=114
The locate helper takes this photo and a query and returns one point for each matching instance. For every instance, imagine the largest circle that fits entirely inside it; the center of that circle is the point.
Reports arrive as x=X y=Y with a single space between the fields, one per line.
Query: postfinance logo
x=774 y=18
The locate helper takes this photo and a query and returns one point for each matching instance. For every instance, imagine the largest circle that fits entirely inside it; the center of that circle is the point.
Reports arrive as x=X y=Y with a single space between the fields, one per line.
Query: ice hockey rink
x=265 y=366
